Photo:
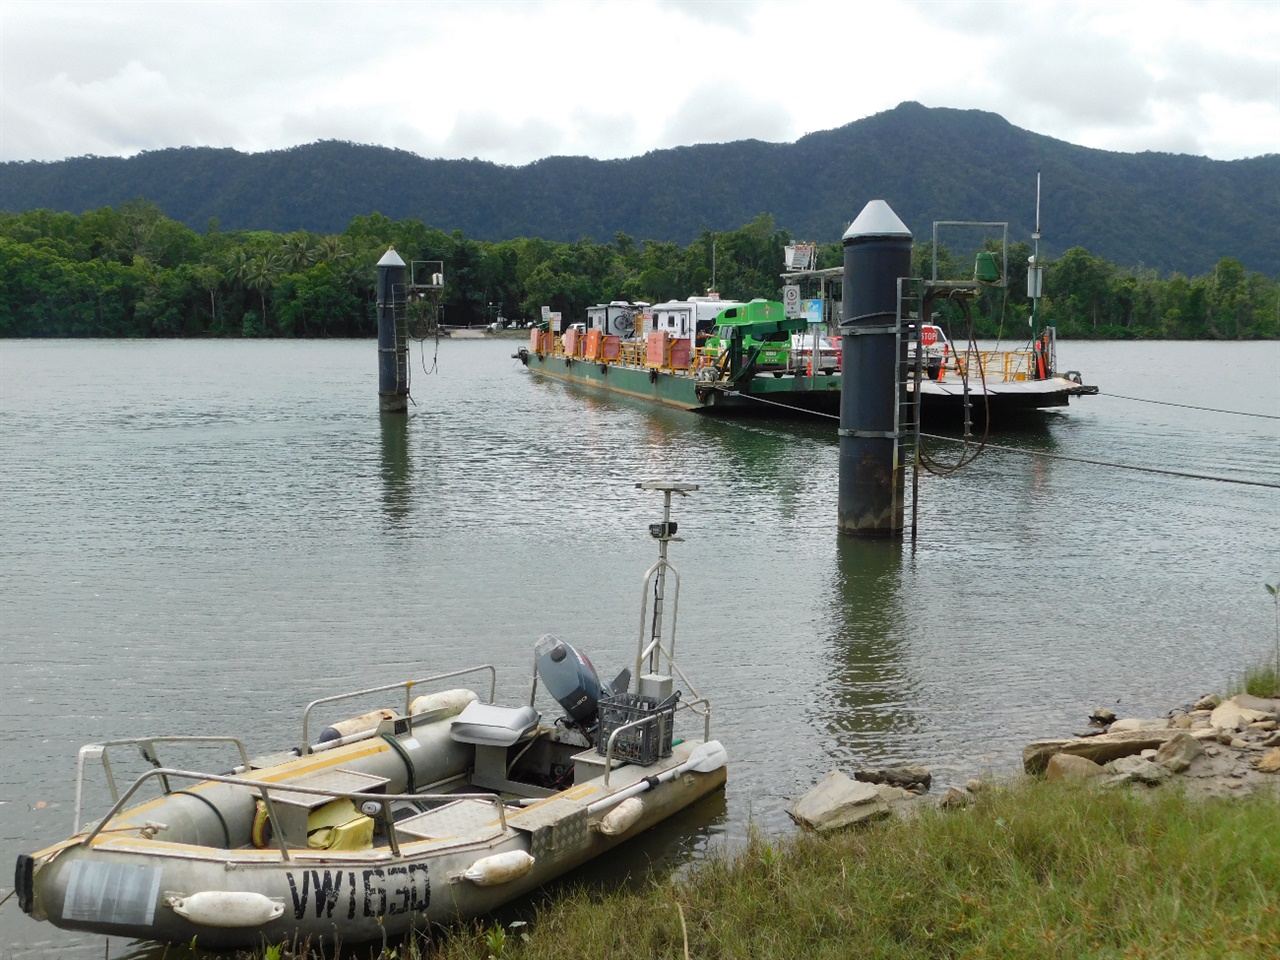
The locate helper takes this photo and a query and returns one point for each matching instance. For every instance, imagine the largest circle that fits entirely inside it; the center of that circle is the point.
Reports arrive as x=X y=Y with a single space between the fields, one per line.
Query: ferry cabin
x=681 y=319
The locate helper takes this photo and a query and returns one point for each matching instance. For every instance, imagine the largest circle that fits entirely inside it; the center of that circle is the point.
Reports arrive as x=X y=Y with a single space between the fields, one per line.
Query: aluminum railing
x=408 y=685
x=264 y=789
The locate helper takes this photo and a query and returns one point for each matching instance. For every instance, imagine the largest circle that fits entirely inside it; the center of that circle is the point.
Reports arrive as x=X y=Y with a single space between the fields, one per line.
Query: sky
x=512 y=82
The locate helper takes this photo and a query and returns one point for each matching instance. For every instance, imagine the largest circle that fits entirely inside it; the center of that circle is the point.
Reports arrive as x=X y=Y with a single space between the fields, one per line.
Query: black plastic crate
x=644 y=744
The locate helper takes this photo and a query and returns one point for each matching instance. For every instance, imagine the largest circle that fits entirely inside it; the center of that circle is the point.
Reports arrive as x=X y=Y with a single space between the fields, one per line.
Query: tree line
x=130 y=271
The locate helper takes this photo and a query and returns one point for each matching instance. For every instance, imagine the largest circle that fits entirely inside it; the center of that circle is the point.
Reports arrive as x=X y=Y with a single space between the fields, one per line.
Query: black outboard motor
x=569 y=677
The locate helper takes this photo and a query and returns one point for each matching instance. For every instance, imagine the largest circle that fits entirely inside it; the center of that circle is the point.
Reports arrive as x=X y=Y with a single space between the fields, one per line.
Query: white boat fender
x=499 y=868
x=448 y=702
x=622 y=817
x=226 y=908
x=365 y=723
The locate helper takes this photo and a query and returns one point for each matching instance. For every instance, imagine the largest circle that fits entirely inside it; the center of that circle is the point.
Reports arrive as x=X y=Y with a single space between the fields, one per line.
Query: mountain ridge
x=1169 y=212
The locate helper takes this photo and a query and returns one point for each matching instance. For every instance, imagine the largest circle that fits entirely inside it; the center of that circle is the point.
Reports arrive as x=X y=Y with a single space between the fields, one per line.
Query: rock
x=1269 y=762
x=955 y=797
x=838 y=802
x=1269 y=705
x=1103 y=716
x=1065 y=766
x=891 y=794
x=1264 y=725
x=975 y=786
x=1207 y=702
x=1230 y=715
x=1272 y=741
x=907 y=777
x=1183 y=722
x=1139 y=770
x=1176 y=753
x=1205 y=733
x=1108 y=746
x=1139 y=723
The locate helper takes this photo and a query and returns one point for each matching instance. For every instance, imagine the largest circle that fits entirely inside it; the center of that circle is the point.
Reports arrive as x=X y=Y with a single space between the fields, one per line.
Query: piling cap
x=877 y=219
x=391 y=259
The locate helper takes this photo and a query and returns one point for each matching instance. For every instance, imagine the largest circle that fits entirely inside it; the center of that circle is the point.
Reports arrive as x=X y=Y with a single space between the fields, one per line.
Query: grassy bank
x=1031 y=870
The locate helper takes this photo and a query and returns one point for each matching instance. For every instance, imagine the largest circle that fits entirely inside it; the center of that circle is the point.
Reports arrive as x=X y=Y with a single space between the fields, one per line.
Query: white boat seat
x=485 y=723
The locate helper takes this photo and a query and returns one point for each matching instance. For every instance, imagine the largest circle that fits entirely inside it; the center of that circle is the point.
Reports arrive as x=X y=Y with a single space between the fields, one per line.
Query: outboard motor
x=569 y=677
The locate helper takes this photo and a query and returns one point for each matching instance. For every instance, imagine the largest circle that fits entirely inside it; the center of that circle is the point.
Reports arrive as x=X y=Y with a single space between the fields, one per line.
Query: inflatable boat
x=445 y=806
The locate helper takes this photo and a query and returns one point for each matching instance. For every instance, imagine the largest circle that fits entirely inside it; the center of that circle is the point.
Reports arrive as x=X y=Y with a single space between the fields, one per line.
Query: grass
x=1259 y=680
x=1262 y=679
x=1030 y=870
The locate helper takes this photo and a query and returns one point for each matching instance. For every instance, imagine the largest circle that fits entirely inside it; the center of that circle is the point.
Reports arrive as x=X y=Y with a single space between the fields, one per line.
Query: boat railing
x=98 y=751
x=264 y=789
x=699 y=705
x=407 y=685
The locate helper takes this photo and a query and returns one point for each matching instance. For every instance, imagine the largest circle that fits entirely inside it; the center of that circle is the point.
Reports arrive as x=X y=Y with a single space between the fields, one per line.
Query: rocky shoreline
x=1212 y=748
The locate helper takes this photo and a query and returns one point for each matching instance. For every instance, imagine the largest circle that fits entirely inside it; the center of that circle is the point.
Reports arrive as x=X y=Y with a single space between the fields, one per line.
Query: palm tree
x=261 y=271
x=297 y=253
x=333 y=249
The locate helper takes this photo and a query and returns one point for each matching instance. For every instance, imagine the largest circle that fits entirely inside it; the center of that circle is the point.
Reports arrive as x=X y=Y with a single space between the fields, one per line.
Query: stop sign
x=928 y=336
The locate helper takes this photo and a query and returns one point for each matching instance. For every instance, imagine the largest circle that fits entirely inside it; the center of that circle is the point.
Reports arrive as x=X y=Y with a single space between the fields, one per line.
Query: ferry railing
x=264 y=789
x=408 y=685
x=634 y=353
x=94 y=751
x=1004 y=366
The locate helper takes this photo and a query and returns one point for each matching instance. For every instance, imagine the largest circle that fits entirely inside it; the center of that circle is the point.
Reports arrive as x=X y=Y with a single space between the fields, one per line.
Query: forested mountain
x=1163 y=211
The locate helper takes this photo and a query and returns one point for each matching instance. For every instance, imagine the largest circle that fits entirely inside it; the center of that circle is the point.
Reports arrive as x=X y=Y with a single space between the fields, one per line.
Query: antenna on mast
x=1035 y=272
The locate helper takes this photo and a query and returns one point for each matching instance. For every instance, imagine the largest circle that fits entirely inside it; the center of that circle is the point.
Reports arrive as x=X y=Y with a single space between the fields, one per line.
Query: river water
x=202 y=537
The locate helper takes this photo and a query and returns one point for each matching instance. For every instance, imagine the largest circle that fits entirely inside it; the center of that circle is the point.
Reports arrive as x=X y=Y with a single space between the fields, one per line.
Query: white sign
x=791 y=301
x=812 y=312
x=546 y=313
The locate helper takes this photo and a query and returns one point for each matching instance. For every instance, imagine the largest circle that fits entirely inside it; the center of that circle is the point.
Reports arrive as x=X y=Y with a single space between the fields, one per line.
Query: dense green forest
x=130 y=271
x=1165 y=211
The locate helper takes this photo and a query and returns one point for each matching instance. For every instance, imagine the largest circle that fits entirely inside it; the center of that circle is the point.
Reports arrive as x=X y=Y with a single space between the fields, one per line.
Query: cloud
x=482 y=133
x=719 y=112
x=513 y=81
x=736 y=15
x=604 y=134
x=1133 y=76
x=1189 y=71
x=1086 y=81
x=134 y=109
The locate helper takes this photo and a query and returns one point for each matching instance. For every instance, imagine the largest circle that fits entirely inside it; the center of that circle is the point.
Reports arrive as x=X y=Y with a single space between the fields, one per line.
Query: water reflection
x=870 y=687
x=397 y=493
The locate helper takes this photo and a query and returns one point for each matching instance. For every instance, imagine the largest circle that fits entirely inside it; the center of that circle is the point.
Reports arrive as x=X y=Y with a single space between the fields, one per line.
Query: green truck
x=754 y=336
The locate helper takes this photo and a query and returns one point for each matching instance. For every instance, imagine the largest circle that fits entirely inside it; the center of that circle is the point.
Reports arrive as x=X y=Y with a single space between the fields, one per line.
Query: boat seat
x=490 y=725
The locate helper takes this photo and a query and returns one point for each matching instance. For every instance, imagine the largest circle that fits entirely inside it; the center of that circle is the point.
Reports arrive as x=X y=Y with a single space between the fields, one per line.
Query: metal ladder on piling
x=909 y=370
x=400 y=313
